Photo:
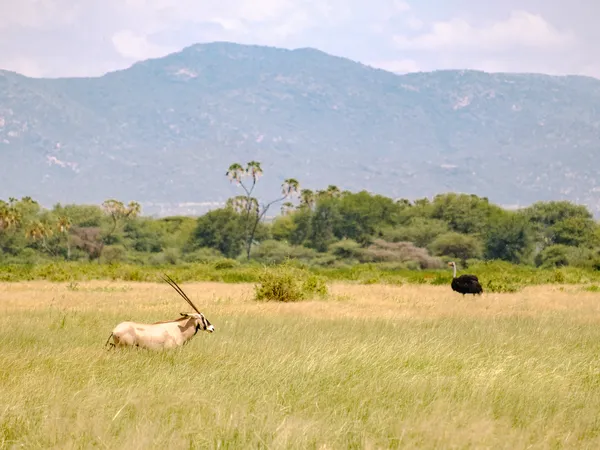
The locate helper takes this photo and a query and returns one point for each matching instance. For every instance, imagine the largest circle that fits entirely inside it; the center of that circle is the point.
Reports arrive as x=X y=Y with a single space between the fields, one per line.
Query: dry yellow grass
x=346 y=300
x=370 y=367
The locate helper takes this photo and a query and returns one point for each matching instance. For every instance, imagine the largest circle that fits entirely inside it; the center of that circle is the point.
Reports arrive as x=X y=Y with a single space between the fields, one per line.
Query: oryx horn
x=175 y=286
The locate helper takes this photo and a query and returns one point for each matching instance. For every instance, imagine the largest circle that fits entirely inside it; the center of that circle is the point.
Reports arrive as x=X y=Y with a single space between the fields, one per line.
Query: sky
x=53 y=38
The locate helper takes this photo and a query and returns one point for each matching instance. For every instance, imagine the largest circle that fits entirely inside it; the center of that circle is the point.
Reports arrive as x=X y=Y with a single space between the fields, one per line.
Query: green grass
x=495 y=276
x=269 y=379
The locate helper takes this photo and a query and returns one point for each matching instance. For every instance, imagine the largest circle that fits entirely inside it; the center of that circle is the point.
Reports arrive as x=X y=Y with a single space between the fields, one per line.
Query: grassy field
x=372 y=366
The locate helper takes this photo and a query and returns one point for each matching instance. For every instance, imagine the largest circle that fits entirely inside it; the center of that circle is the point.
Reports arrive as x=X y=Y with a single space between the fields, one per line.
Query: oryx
x=161 y=335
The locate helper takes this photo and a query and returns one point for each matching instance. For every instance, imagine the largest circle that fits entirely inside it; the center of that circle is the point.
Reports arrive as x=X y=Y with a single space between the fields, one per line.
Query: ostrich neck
x=454 y=268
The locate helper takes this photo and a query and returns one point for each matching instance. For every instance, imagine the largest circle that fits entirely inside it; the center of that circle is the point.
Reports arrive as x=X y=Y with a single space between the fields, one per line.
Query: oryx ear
x=184 y=314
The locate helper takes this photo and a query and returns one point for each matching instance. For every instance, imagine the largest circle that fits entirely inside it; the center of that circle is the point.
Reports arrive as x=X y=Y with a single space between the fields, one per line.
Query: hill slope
x=165 y=130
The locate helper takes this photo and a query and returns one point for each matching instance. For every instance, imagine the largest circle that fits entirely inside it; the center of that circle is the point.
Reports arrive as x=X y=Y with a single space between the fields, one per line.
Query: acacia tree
x=247 y=205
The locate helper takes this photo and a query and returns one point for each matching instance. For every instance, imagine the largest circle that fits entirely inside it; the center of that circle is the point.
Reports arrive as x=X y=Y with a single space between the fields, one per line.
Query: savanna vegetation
x=374 y=367
x=333 y=233
x=365 y=345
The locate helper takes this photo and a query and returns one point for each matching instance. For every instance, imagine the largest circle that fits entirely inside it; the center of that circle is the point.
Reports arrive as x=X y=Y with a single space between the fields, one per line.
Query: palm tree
x=37 y=231
x=289 y=188
x=333 y=191
x=253 y=213
x=9 y=216
x=287 y=208
x=64 y=225
x=307 y=198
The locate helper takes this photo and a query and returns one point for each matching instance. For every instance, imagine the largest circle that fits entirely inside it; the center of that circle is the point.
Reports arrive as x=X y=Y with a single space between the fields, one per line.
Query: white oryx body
x=161 y=335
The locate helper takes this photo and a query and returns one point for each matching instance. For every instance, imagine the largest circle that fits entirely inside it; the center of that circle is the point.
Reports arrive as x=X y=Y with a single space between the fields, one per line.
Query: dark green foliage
x=421 y=231
x=553 y=256
x=113 y=254
x=362 y=214
x=457 y=246
x=221 y=229
x=301 y=232
x=357 y=237
x=575 y=232
x=562 y=222
x=509 y=238
x=323 y=223
x=275 y=252
x=467 y=214
x=346 y=249
x=146 y=235
x=283 y=227
x=81 y=215
x=202 y=255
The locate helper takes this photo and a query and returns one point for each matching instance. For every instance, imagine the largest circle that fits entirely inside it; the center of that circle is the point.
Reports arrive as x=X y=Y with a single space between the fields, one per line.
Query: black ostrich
x=465 y=284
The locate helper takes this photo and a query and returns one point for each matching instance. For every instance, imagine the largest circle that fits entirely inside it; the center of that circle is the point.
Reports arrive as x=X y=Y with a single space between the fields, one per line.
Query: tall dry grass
x=370 y=367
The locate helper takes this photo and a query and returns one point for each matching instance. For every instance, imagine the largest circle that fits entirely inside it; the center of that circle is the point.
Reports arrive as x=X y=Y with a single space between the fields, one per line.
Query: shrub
x=560 y=255
x=169 y=256
x=382 y=251
x=346 y=249
x=276 y=252
x=457 y=245
x=553 y=256
x=113 y=254
x=420 y=231
x=203 y=255
x=288 y=284
x=225 y=263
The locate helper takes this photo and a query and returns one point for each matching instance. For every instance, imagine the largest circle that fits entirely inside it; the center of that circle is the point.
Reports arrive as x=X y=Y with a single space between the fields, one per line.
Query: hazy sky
x=63 y=37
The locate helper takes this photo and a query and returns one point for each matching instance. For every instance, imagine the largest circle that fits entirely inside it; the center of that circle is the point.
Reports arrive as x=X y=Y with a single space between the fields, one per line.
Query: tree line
x=329 y=227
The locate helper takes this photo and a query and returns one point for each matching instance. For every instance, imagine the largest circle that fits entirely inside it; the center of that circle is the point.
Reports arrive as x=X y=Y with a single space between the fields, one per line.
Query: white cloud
x=37 y=14
x=414 y=23
x=591 y=70
x=401 y=6
x=24 y=66
x=62 y=37
x=233 y=25
x=521 y=29
x=397 y=66
x=134 y=46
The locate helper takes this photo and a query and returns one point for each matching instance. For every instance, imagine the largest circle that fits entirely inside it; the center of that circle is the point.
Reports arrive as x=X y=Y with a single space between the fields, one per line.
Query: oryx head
x=202 y=322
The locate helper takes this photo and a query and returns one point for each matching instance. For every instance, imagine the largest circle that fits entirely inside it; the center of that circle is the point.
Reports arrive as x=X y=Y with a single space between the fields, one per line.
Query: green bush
x=113 y=253
x=419 y=230
x=276 y=252
x=457 y=245
x=168 y=256
x=346 y=249
x=382 y=251
x=203 y=255
x=225 y=263
x=288 y=284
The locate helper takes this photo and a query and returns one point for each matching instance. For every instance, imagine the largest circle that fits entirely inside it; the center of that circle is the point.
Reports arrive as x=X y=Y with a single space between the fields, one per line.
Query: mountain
x=165 y=130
